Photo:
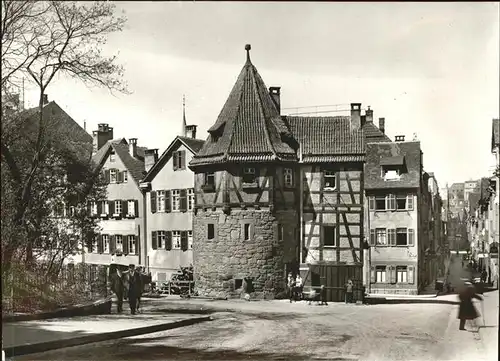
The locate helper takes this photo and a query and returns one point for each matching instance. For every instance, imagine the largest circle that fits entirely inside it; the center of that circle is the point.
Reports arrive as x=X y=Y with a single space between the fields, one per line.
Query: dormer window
x=329 y=179
x=392 y=167
x=208 y=182
x=391 y=174
x=249 y=179
x=112 y=156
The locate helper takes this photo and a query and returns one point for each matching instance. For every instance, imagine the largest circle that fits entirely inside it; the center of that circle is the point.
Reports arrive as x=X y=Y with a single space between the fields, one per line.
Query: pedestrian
x=133 y=288
x=484 y=275
x=311 y=295
x=298 y=286
x=467 y=311
x=322 y=295
x=291 y=287
x=348 y=291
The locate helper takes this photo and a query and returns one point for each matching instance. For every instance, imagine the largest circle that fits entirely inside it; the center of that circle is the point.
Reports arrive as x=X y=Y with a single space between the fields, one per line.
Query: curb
x=100 y=307
x=382 y=301
x=57 y=344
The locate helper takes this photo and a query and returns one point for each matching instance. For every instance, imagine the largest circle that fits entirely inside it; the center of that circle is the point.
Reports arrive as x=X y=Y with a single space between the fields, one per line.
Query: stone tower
x=246 y=226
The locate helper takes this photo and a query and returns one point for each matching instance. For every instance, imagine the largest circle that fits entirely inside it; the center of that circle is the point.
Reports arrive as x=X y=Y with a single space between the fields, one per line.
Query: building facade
x=168 y=189
x=276 y=194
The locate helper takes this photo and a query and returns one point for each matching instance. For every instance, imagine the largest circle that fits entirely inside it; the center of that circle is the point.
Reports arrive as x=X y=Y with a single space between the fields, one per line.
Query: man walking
x=348 y=292
x=467 y=311
x=133 y=288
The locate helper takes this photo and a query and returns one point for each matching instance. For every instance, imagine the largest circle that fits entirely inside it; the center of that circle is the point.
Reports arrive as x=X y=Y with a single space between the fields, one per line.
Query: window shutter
x=125 y=244
x=393 y=274
x=182 y=159
x=168 y=240
x=100 y=246
x=411 y=237
x=409 y=202
x=373 y=274
x=373 y=237
x=118 y=176
x=154 y=240
x=183 y=200
x=175 y=161
x=411 y=274
x=371 y=203
x=112 y=243
x=168 y=207
x=388 y=278
x=111 y=207
x=99 y=208
x=153 y=201
x=136 y=208
x=107 y=176
x=392 y=237
x=184 y=240
x=124 y=208
x=124 y=176
x=137 y=243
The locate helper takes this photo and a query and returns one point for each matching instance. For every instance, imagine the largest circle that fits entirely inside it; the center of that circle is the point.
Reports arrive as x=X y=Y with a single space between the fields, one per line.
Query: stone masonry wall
x=221 y=264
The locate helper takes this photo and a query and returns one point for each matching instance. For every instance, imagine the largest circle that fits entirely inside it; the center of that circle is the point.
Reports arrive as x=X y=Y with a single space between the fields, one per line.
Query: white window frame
x=132 y=245
x=381 y=274
x=402 y=274
x=380 y=232
x=105 y=208
x=105 y=243
x=161 y=239
x=191 y=199
x=388 y=199
x=176 y=239
x=407 y=237
x=410 y=205
x=288 y=177
x=118 y=240
x=175 y=196
x=330 y=174
x=131 y=208
x=118 y=205
x=93 y=208
x=112 y=157
x=190 y=239
x=160 y=200
x=113 y=173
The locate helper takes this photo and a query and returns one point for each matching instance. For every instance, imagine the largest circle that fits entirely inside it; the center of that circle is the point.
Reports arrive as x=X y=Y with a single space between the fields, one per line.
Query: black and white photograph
x=250 y=180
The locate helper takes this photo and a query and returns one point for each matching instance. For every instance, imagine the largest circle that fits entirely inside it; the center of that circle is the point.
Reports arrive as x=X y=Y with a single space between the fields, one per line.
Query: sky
x=429 y=68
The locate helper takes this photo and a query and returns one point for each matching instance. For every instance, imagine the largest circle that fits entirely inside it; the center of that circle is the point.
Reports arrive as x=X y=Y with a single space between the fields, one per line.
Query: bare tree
x=42 y=40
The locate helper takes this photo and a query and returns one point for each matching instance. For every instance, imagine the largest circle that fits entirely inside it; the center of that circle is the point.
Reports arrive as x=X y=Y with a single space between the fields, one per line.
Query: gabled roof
x=373 y=134
x=134 y=165
x=327 y=139
x=377 y=152
x=249 y=126
x=495 y=134
x=193 y=145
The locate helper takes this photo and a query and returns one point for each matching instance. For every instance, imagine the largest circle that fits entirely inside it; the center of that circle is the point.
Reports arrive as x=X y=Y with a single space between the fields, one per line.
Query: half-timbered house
x=277 y=194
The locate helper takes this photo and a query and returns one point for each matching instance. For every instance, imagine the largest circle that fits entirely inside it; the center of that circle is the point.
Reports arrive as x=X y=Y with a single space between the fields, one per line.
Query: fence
x=28 y=290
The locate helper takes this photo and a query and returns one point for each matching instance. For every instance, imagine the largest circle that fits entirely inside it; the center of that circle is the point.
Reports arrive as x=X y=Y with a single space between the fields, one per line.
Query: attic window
x=112 y=156
x=249 y=175
x=391 y=174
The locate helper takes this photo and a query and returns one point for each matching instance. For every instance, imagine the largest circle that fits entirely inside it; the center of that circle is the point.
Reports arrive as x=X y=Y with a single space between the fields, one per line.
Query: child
x=323 y=296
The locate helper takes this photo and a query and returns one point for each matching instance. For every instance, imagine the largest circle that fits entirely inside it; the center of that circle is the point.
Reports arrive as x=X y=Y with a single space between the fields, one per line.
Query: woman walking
x=467 y=311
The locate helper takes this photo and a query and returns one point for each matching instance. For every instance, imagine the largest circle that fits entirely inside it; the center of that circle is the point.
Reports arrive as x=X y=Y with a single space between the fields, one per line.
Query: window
x=381 y=237
x=162 y=239
x=209 y=179
x=118 y=207
x=402 y=274
x=280 y=232
x=161 y=201
x=119 y=243
x=190 y=239
x=329 y=179
x=381 y=274
x=238 y=283
x=176 y=239
x=190 y=194
x=246 y=231
x=288 y=177
x=93 y=209
x=113 y=175
x=112 y=156
x=409 y=202
x=390 y=174
x=401 y=237
x=105 y=207
x=125 y=176
x=249 y=175
x=178 y=159
x=131 y=208
x=401 y=202
x=391 y=202
x=210 y=231
x=329 y=236
x=105 y=243
x=131 y=245
x=176 y=200
x=380 y=203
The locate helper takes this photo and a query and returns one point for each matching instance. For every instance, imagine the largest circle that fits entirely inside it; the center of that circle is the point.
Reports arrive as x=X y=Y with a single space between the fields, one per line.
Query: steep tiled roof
x=495 y=133
x=373 y=134
x=376 y=152
x=327 y=139
x=249 y=126
x=134 y=166
x=192 y=144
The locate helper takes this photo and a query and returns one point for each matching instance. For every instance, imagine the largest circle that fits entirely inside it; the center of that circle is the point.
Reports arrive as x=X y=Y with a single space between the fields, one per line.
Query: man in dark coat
x=133 y=288
x=467 y=311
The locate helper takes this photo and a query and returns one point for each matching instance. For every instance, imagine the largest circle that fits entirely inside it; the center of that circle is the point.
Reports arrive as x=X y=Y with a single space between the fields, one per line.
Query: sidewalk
x=489 y=330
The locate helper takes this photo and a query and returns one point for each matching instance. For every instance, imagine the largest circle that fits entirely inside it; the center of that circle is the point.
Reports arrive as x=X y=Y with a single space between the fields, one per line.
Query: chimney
x=191 y=131
x=355 y=116
x=369 y=115
x=150 y=158
x=275 y=92
x=101 y=136
x=399 y=138
x=132 y=143
x=45 y=99
x=381 y=124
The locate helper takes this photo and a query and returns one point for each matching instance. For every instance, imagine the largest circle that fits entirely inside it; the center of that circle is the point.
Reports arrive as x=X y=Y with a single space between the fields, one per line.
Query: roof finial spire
x=184 y=115
x=247 y=48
